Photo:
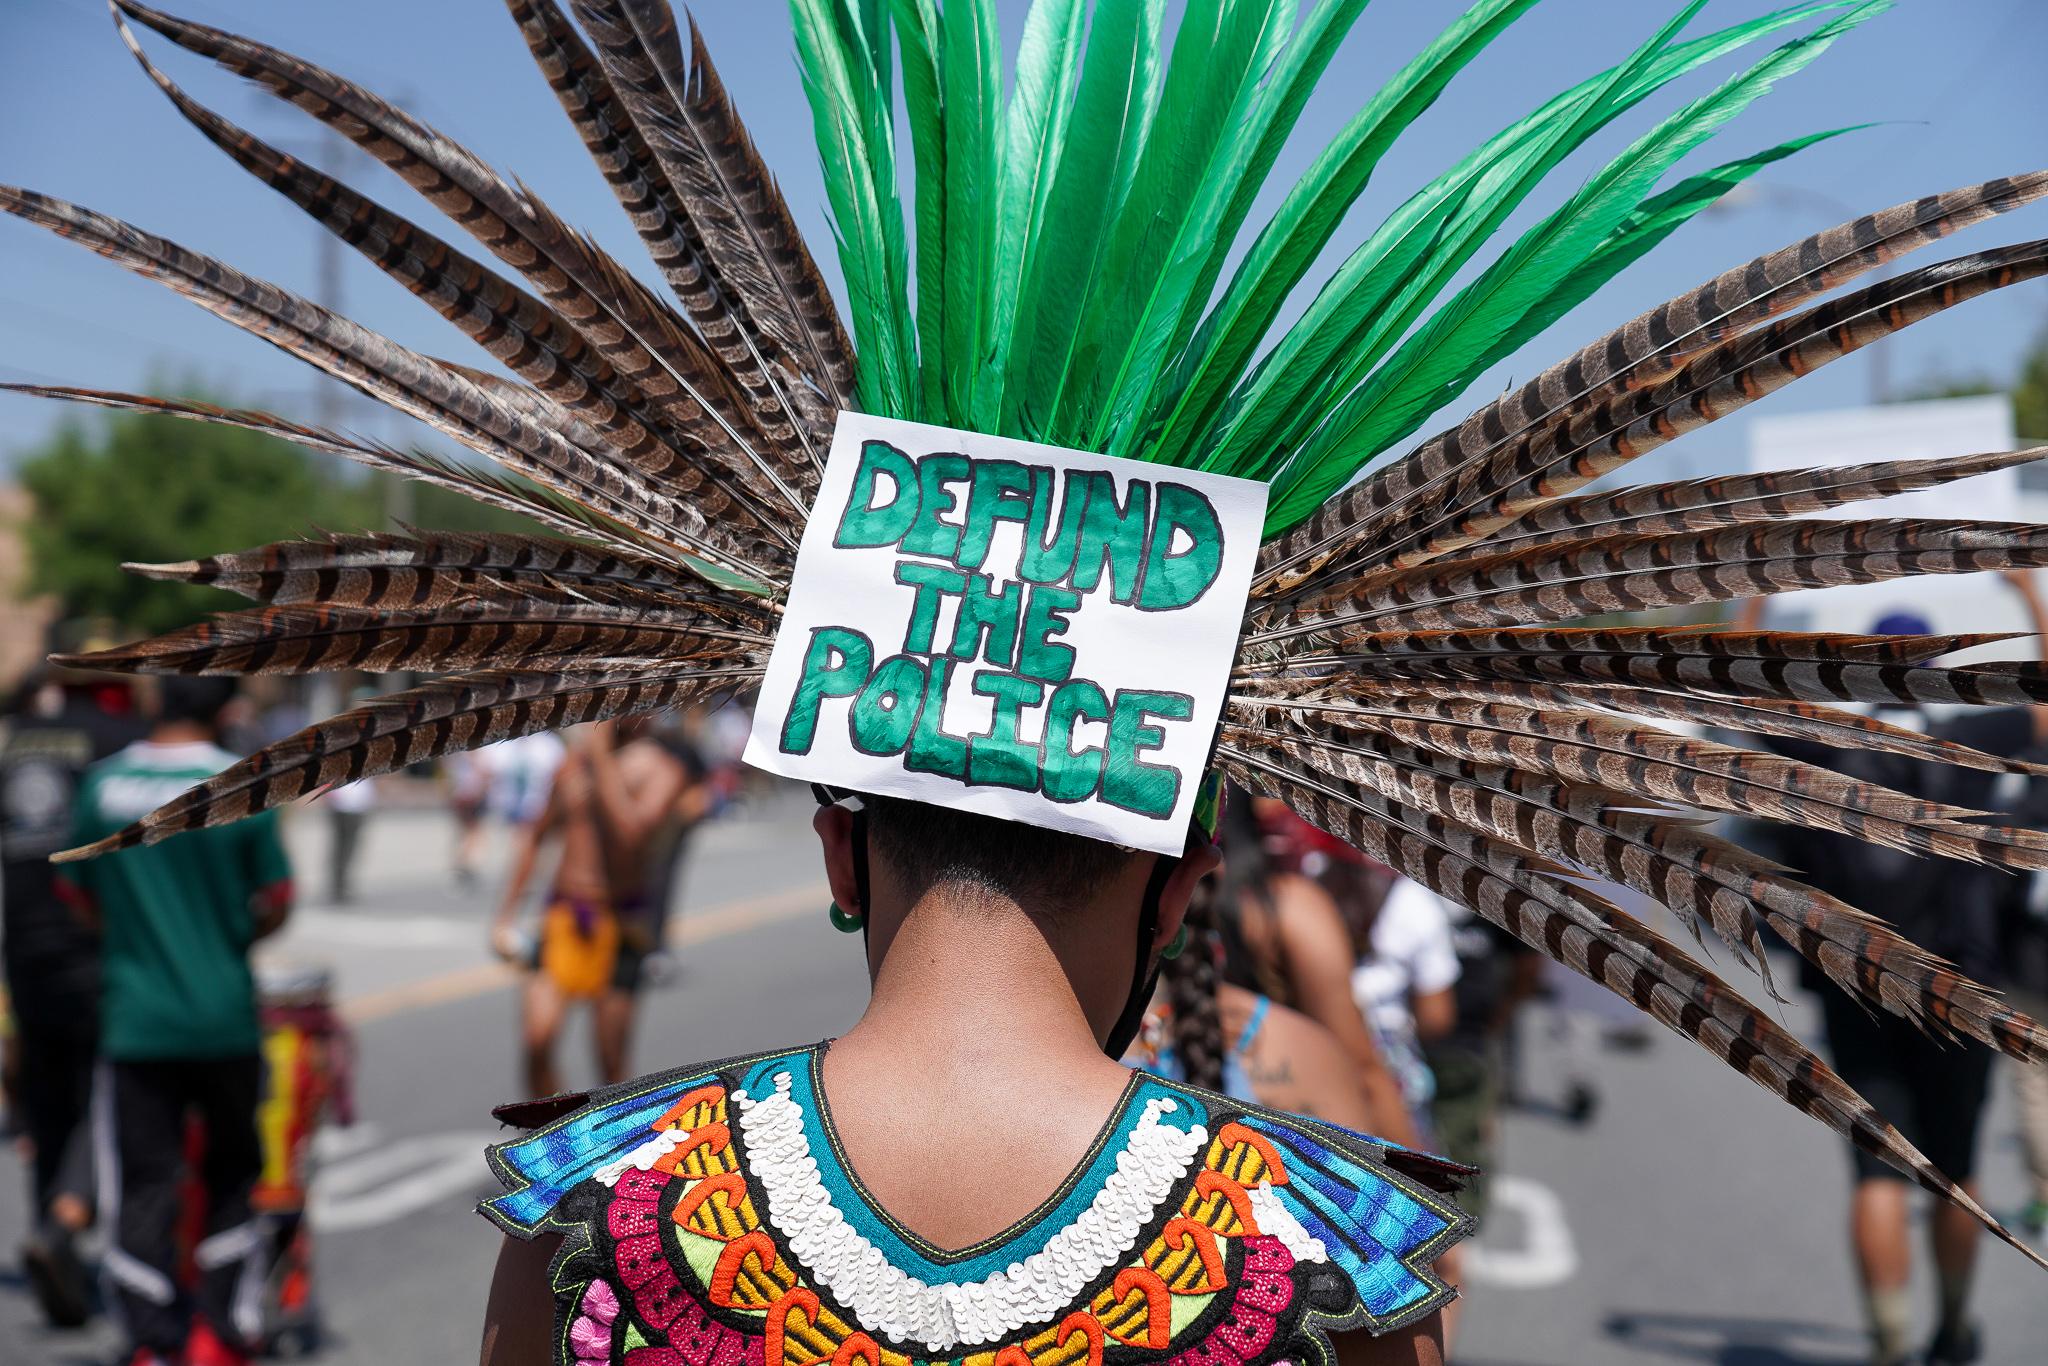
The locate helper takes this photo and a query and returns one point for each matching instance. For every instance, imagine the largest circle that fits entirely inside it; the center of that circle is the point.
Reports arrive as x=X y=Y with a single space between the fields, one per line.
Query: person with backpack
x=1933 y=1092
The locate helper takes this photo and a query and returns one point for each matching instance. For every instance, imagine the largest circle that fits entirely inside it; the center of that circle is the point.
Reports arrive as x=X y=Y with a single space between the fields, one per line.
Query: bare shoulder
x=519 y=1319
x=1297 y=1065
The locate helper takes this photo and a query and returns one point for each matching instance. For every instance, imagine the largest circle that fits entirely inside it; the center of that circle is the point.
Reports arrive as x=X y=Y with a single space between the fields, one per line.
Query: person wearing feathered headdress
x=1062 y=529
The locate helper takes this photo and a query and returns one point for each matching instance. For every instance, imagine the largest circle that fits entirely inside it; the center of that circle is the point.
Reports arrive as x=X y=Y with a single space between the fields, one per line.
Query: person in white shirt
x=1403 y=985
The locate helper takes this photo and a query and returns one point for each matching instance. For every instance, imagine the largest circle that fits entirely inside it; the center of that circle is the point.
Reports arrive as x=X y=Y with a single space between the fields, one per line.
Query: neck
x=960 y=985
x=180 y=733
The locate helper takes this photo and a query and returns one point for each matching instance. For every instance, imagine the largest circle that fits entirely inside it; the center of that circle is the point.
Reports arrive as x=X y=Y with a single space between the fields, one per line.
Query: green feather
x=1445 y=353
x=1112 y=110
x=1652 y=221
x=1207 y=112
x=852 y=116
x=1034 y=131
x=972 y=69
x=917 y=33
x=1299 y=230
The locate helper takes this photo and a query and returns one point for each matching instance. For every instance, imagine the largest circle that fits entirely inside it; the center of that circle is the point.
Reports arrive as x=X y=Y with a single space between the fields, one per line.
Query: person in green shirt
x=178 y=1026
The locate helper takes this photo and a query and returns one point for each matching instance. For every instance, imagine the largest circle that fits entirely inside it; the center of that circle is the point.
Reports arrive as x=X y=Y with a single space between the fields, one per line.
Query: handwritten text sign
x=1039 y=634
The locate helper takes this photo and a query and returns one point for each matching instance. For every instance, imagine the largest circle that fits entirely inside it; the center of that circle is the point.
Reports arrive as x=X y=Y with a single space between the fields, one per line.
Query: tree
x=2030 y=393
x=125 y=486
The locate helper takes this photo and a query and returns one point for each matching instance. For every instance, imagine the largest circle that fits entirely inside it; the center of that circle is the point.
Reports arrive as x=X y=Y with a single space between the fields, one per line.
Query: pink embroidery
x=1264 y=1288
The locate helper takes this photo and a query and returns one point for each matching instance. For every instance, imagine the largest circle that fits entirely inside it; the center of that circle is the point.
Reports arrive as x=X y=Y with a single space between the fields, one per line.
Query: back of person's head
x=181 y=698
x=929 y=848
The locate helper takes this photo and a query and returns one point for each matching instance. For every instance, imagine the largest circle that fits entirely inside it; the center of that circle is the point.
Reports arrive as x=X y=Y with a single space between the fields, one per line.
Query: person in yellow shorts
x=609 y=804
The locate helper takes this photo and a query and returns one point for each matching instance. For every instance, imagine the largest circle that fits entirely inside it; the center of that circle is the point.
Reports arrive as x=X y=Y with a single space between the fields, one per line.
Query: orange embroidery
x=1176 y=1235
x=859 y=1347
x=731 y=1185
x=1208 y=1183
x=678 y=1115
x=1013 y=1355
x=1233 y=1133
x=708 y=1139
x=733 y=1258
x=1158 y=1304
x=1088 y=1326
x=789 y=1302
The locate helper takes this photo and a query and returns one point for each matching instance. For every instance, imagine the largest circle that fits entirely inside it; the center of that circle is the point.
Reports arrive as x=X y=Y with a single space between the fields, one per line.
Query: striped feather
x=386 y=371
x=649 y=346
x=699 y=140
x=531 y=635
x=677 y=249
x=1703 y=504
x=1603 y=944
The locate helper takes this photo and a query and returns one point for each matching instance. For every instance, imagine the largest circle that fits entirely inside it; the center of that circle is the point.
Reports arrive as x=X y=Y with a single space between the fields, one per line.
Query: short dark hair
x=182 y=697
x=1042 y=870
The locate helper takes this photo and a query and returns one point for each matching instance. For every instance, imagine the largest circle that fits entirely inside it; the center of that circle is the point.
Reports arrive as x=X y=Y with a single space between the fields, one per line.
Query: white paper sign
x=1033 y=633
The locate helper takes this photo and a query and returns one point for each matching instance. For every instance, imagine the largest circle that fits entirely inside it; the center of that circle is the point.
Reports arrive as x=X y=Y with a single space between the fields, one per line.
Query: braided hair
x=1191 y=981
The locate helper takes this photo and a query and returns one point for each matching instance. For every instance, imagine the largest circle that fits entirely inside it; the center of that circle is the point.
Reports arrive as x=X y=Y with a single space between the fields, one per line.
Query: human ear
x=834 y=825
x=1194 y=865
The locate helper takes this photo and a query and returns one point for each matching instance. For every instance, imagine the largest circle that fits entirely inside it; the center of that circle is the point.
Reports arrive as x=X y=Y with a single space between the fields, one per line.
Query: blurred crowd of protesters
x=1314 y=981
x=134 y=1001
x=138 y=1050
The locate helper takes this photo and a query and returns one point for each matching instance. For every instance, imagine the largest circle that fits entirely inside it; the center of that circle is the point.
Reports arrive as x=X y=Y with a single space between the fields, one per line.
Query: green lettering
x=1175 y=580
x=928 y=535
x=836 y=664
x=999 y=758
x=999 y=492
x=934 y=749
x=1052 y=561
x=1127 y=781
x=864 y=525
x=1071 y=775
x=1115 y=532
x=885 y=713
x=1045 y=617
x=985 y=612
x=932 y=582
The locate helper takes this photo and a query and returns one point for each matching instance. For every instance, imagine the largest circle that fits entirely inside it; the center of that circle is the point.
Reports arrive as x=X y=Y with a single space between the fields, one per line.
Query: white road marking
x=383 y=1185
x=1548 y=1255
x=382 y=930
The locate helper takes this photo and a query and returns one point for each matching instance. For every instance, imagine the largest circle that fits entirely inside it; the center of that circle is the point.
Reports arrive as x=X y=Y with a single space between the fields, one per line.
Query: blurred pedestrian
x=609 y=803
x=469 y=795
x=1496 y=974
x=1209 y=1032
x=1935 y=1094
x=669 y=848
x=522 y=774
x=52 y=971
x=179 y=1032
x=1402 y=982
x=348 y=808
x=1284 y=939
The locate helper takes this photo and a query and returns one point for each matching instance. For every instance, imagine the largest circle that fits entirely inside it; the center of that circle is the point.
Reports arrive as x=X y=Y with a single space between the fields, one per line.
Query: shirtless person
x=609 y=803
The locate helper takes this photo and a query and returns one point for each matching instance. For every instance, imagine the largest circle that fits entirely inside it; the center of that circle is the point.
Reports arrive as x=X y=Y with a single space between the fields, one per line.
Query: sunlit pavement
x=1694 y=1220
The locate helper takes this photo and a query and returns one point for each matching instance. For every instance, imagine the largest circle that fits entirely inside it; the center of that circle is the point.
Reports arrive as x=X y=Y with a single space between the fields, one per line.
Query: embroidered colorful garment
x=712 y=1220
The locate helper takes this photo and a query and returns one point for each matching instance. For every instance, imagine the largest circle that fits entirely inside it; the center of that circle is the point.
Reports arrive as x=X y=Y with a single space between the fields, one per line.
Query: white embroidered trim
x=944 y=1316
x=643 y=1157
x=1276 y=1219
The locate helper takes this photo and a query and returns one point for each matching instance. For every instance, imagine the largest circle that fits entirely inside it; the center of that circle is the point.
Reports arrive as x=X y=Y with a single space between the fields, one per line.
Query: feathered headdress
x=1407 y=675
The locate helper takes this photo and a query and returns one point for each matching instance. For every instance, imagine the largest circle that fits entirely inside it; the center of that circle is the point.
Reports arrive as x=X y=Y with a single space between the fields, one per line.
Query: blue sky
x=1957 y=82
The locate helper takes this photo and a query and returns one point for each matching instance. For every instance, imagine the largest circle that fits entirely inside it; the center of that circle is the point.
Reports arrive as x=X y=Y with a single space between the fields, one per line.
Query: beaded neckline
x=834 y=1151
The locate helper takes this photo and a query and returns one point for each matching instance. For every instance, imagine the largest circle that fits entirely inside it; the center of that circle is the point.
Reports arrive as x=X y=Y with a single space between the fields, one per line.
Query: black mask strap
x=860 y=873
x=1145 y=975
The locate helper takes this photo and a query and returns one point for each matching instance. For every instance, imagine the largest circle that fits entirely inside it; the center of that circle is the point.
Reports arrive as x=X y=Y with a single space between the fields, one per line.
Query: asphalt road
x=1693 y=1220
